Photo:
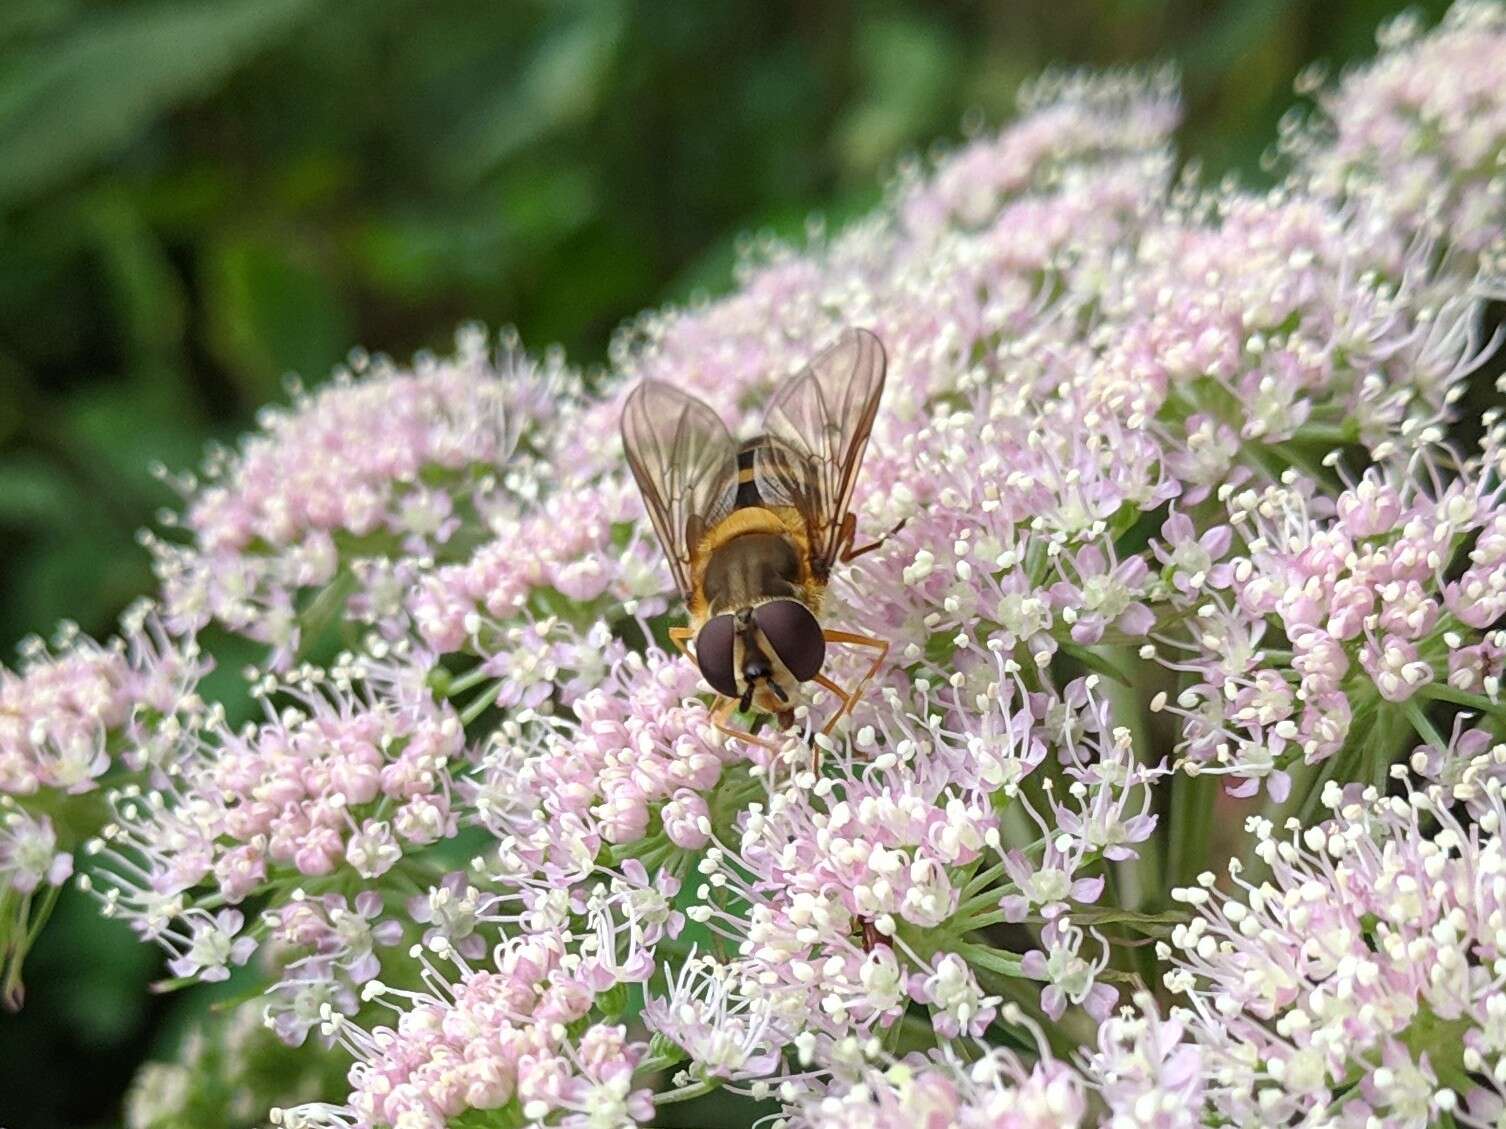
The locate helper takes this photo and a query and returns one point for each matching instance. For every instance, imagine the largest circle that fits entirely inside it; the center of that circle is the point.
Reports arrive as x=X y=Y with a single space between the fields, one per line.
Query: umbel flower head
x=1375 y=932
x=337 y=492
x=1176 y=802
x=74 y=716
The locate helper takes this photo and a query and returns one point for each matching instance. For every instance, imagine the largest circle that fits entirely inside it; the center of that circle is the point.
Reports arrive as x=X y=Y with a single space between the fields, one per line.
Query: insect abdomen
x=747 y=488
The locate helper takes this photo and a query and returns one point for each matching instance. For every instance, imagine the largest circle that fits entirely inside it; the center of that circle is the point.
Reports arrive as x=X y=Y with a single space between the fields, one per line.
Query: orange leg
x=679 y=636
x=849 y=698
x=849 y=534
x=719 y=715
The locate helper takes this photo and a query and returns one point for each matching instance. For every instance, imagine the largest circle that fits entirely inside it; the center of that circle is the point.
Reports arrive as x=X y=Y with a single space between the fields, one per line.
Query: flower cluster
x=640 y=745
x=1185 y=539
x=1369 y=957
x=1337 y=616
x=1419 y=133
x=569 y=552
x=73 y=716
x=380 y=463
x=512 y=1032
x=997 y=1089
x=70 y=708
x=344 y=784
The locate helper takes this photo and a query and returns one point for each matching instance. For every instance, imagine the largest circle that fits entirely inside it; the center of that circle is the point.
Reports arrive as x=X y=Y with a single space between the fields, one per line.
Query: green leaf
x=89 y=93
x=81 y=572
x=1098 y=662
x=613 y=1002
x=909 y=64
x=30 y=17
x=96 y=970
x=34 y=492
x=145 y=292
x=562 y=84
x=116 y=428
x=271 y=312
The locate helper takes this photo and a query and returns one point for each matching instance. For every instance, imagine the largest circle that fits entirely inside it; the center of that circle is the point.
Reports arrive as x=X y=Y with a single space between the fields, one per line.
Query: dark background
x=197 y=198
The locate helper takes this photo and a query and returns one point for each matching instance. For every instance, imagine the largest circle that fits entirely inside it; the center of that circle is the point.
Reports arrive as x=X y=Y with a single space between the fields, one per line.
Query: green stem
x=982 y=956
x=1442 y=692
x=687 y=1093
x=984 y=901
x=1191 y=830
x=14 y=952
x=482 y=703
x=1423 y=726
x=978 y=884
x=661 y=1060
x=49 y=900
x=970 y=922
x=1331 y=434
x=461 y=683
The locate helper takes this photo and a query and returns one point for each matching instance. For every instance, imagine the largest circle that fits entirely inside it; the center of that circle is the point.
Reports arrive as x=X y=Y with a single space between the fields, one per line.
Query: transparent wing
x=685 y=463
x=820 y=420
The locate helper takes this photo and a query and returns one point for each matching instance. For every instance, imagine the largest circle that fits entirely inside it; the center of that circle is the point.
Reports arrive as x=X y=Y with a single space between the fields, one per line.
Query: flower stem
x=461 y=683
x=1191 y=826
x=978 y=884
x=687 y=1093
x=40 y=916
x=1423 y=726
x=658 y=1060
x=1442 y=692
x=982 y=956
x=482 y=703
x=969 y=922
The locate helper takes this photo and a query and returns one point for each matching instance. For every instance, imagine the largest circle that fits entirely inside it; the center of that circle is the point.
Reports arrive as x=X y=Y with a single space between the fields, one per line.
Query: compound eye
x=713 y=654
x=794 y=634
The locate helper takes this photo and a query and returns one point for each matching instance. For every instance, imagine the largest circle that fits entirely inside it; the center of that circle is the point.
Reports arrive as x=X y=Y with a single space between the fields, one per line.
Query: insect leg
x=822 y=680
x=851 y=699
x=719 y=715
x=678 y=636
x=879 y=645
x=849 y=534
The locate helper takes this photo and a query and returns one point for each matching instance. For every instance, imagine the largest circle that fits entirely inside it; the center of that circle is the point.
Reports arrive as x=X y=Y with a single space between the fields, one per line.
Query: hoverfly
x=752 y=530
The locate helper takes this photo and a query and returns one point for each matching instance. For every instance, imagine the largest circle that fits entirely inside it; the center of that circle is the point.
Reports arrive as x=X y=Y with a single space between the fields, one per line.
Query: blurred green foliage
x=197 y=197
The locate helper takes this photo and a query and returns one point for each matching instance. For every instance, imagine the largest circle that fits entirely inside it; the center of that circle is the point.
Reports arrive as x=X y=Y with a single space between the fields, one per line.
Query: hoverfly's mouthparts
x=756 y=666
x=779 y=691
x=747 y=699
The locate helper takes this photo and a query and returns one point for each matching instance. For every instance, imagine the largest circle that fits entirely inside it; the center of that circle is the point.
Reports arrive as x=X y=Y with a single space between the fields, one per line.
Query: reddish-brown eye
x=713 y=654
x=794 y=634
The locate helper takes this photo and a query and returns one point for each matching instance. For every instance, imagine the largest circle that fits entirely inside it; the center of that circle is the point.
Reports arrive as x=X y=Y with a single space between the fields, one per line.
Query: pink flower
x=1103 y=595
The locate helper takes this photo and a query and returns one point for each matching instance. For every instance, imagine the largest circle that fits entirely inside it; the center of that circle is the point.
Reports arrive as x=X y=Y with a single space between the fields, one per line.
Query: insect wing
x=820 y=420
x=685 y=464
